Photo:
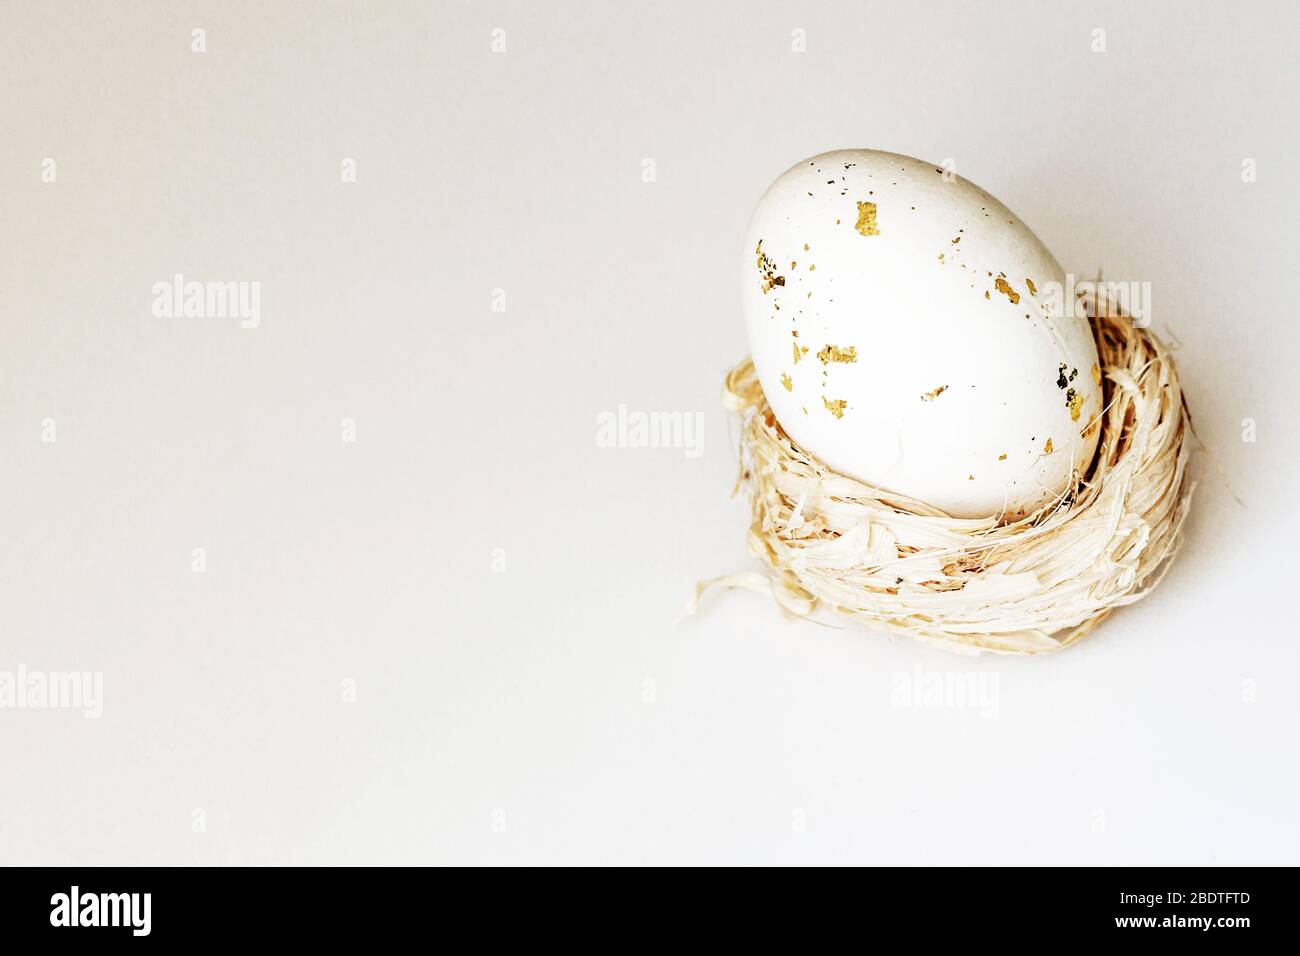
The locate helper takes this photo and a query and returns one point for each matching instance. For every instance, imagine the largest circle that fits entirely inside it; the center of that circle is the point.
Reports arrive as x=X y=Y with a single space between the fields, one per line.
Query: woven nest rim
x=836 y=550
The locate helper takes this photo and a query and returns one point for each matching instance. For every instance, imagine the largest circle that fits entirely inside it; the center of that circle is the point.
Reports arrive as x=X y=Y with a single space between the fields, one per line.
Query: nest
x=836 y=549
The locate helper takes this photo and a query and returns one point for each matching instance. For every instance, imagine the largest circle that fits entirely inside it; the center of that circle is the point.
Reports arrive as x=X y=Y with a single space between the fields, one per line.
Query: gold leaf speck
x=867 y=219
x=1001 y=284
x=833 y=353
x=1074 y=400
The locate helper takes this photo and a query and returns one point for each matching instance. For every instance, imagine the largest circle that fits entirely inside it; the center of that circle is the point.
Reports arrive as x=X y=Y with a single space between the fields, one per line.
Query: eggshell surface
x=911 y=332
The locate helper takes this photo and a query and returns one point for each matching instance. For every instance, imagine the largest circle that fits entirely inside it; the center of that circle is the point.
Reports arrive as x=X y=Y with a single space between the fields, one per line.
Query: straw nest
x=836 y=549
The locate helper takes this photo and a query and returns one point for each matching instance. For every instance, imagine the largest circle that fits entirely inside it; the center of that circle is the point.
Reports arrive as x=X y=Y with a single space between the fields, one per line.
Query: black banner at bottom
x=337 y=906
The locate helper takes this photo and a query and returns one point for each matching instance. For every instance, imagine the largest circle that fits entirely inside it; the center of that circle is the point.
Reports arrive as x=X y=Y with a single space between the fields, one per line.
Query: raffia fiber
x=836 y=549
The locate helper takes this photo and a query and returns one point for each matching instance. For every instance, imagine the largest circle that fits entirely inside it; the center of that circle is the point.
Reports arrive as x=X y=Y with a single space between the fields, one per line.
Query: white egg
x=910 y=331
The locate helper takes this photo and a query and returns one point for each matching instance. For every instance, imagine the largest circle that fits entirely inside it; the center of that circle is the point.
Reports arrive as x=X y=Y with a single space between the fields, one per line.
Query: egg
x=911 y=332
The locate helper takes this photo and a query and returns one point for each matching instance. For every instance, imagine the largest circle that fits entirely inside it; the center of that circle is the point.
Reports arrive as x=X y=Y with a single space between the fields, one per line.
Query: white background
x=553 y=712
